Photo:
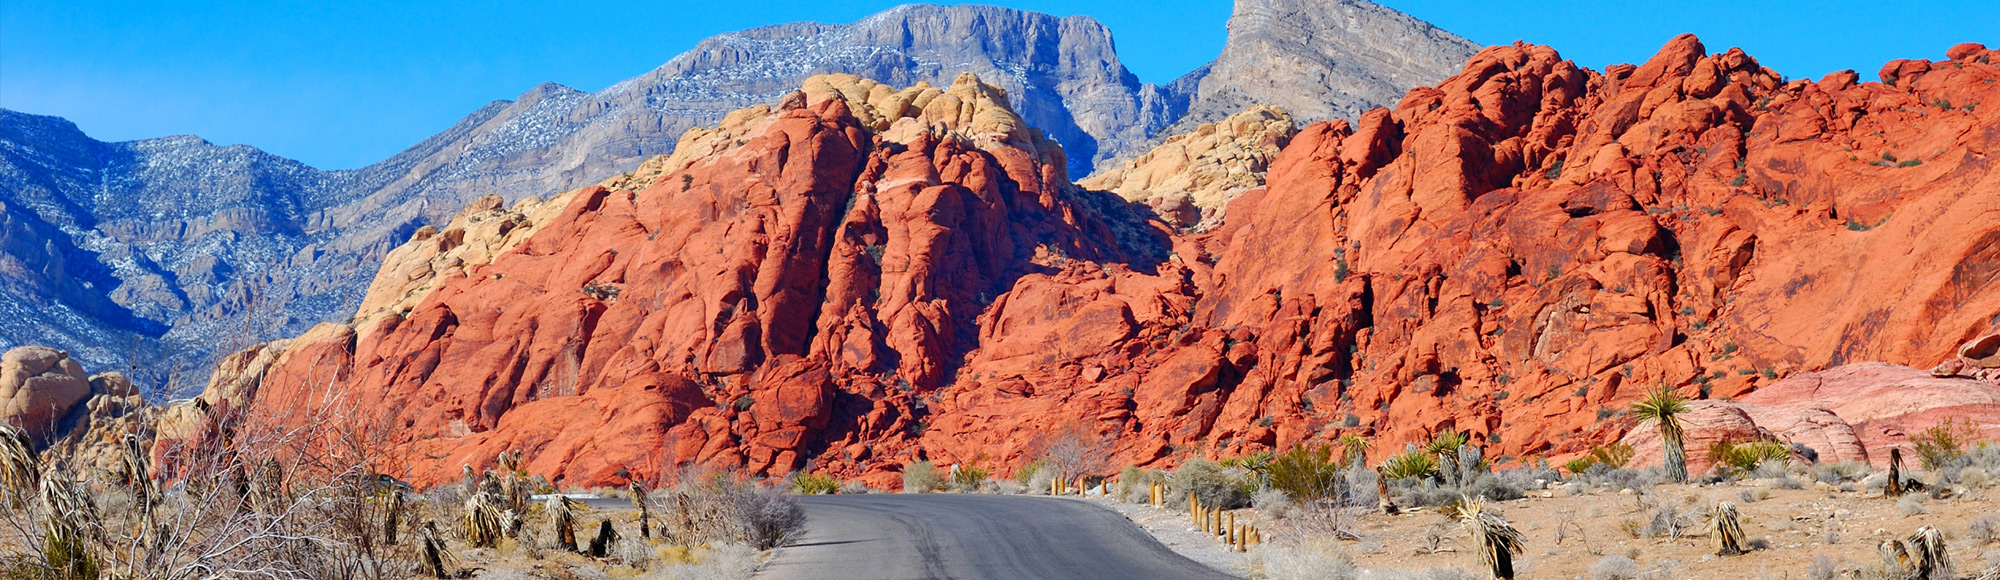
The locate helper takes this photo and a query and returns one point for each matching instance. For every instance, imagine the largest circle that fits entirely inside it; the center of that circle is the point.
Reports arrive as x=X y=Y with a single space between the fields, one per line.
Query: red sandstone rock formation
x=867 y=276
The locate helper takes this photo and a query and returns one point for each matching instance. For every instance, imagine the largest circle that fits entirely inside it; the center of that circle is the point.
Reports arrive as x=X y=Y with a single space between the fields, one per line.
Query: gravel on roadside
x=1172 y=528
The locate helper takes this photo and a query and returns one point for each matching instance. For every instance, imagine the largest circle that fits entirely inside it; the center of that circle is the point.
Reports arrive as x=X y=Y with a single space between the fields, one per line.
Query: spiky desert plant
x=1445 y=446
x=20 y=467
x=1497 y=541
x=1413 y=463
x=69 y=521
x=1928 y=558
x=436 y=559
x=481 y=524
x=1896 y=558
x=1354 y=449
x=1726 y=529
x=564 y=517
x=639 y=492
x=1664 y=407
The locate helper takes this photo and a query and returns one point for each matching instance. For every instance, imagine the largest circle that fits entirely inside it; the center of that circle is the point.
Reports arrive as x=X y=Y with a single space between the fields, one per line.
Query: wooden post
x=1228 y=527
x=1256 y=537
x=1194 y=508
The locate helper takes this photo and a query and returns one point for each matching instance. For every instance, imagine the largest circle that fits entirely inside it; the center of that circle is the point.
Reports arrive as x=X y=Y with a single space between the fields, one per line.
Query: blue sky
x=344 y=84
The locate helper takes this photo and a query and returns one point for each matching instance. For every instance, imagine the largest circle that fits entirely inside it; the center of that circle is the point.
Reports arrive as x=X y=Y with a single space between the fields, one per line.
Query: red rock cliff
x=866 y=276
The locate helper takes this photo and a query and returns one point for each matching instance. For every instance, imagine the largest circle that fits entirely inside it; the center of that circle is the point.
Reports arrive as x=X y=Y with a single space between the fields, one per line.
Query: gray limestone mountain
x=156 y=256
x=1320 y=60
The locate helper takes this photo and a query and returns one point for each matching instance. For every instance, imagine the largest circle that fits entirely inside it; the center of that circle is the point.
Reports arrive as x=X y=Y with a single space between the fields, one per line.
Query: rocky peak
x=1321 y=60
x=1189 y=178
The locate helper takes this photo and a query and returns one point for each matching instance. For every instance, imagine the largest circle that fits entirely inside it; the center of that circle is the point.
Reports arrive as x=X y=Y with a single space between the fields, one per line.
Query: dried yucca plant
x=480 y=524
x=1726 y=530
x=1497 y=541
x=562 y=513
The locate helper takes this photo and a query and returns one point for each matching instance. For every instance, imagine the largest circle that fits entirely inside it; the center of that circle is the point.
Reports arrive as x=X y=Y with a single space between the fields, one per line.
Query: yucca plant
x=1745 y=457
x=1726 y=530
x=393 y=520
x=1497 y=541
x=563 y=515
x=1664 y=407
x=1445 y=446
x=481 y=524
x=69 y=521
x=1895 y=485
x=639 y=500
x=1354 y=449
x=1928 y=559
x=436 y=559
x=20 y=467
x=1413 y=463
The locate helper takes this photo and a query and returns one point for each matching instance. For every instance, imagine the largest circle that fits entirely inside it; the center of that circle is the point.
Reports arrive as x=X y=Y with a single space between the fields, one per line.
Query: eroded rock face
x=1524 y=249
x=875 y=275
x=793 y=292
x=1190 y=177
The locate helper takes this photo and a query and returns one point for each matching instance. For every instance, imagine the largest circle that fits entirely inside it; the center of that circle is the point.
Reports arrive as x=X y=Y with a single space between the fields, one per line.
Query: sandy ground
x=1173 y=528
x=1566 y=535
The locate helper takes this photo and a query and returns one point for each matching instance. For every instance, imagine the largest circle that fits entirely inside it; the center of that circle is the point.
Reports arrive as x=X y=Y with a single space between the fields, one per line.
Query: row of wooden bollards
x=1238 y=537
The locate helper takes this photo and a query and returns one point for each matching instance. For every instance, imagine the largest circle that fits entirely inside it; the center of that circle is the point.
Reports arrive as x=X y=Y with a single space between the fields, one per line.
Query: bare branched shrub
x=1075 y=449
x=721 y=509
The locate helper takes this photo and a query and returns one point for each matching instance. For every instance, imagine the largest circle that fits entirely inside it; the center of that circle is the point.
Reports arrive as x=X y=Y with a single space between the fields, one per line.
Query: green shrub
x=1944 y=442
x=810 y=484
x=921 y=477
x=1306 y=473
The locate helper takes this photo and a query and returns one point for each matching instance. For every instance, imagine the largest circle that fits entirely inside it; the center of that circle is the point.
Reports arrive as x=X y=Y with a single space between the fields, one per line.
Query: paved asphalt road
x=971 y=537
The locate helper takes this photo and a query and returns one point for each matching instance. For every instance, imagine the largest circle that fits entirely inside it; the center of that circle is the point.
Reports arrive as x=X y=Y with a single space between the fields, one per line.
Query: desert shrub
x=1272 y=503
x=1528 y=477
x=1604 y=477
x=1307 y=473
x=854 y=488
x=1973 y=477
x=922 y=477
x=722 y=509
x=1823 y=568
x=1361 y=488
x=1431 y=574
x=1492 y=487
x=1040 y=481
x=1747 y=456
x=1211 y=483
x=1753 y=495
x=1911 y=505
x=1839 y=471
x=1026 y=473
x=812 y=484
x=1788 y=482
x=1984 y=529
x=1315 y=559
x=1423 y=493
x=1944 y=442
x=1135 y=485
x=1614 y=567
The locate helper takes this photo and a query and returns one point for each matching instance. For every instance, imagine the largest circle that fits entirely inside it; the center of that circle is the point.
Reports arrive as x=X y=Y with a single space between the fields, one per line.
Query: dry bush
x=1314 y=559
x=248 y=493
x=1944 y=442
x=922 y=477
x=722 y=509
